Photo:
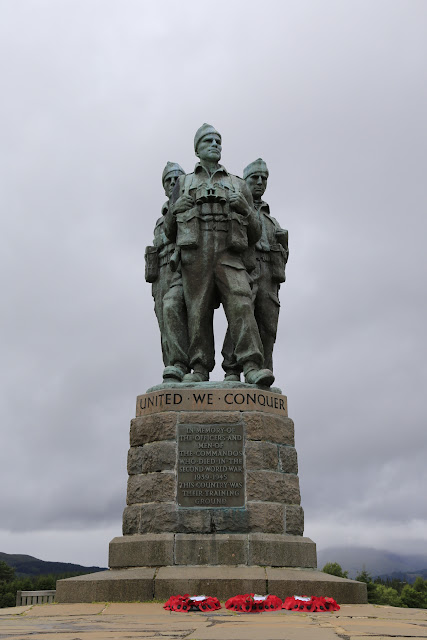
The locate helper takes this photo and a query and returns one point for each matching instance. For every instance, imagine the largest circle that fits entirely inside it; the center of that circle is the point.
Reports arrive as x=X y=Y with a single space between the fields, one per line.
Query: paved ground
x=101 y=621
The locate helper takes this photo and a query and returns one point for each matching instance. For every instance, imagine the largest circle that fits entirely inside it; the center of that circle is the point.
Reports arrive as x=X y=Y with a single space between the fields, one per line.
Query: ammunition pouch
x=237 y=232
x=278 y=257
x=151 y=264
x=249 y=259
x=188 y=229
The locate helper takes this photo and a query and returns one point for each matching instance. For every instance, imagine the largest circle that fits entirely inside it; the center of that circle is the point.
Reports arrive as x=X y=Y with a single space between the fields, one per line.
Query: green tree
x=364 y=576
x=386 y=595
x=7 y=573
x=413 y=598
x=420 y=585
x=334 y=569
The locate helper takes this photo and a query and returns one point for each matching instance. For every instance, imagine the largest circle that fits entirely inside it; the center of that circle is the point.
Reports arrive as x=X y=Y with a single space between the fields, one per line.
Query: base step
x=146 y=583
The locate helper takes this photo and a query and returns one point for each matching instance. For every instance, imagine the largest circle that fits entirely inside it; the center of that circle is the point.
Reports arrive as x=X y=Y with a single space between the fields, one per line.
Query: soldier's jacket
x=212 y=211
x=272 y=246
x=161 y=252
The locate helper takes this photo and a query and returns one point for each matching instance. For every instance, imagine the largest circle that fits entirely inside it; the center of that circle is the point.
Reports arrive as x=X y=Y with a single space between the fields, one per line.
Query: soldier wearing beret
x=169 y=305
x=271 y=254
x=212 y=219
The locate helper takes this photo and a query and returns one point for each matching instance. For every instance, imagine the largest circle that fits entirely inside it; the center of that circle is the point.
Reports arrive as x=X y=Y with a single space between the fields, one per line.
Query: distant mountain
x=376 y=561
x=406 y=576
x=28 y=567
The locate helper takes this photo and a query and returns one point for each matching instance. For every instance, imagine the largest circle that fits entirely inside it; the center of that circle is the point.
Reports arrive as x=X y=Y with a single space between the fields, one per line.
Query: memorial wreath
x=188 y=603
x=310 y=603
x=253 y=603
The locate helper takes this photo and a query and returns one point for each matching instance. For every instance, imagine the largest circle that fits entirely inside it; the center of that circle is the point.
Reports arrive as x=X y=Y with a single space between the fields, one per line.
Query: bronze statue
x=271 y=255
x=169 y=305
x=212 y=219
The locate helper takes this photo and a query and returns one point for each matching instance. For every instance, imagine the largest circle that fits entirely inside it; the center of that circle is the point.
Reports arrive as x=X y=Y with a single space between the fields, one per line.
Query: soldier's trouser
x=205 y=275
x=175 y=323
x=169 y=307
x=266 y=310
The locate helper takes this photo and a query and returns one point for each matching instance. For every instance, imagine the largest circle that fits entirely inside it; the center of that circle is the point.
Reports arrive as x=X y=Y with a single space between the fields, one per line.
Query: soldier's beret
x=171 y=167
x=204 y=130
x=257 y=166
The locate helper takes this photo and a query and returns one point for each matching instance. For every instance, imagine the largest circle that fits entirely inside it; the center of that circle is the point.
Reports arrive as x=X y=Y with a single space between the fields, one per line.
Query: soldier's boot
x=232 y=376
x=200 y=374
x=254 y=375
x=174 y=373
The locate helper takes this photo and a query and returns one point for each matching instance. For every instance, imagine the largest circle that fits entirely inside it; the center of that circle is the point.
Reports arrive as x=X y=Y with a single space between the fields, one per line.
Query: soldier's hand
x=183 y=203
x=239 y=203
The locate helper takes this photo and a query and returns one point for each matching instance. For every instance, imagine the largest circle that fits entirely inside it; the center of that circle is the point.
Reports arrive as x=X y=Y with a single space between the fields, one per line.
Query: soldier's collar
x=165 y=208
x=199 y=167
x=261 y=205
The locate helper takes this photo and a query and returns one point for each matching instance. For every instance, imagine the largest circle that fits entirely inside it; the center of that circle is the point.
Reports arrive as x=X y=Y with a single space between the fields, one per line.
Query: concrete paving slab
x=16 y=610
x=149 y=621
x=384 y=627
x=59 y=610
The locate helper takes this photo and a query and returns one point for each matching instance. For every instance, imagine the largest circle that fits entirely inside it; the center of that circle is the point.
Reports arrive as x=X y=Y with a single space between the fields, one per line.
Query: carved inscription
x=245 y=399
x=211 y=466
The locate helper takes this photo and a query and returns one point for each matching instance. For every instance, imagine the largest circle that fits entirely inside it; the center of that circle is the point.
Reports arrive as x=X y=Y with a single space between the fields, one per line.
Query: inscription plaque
x=210 y=466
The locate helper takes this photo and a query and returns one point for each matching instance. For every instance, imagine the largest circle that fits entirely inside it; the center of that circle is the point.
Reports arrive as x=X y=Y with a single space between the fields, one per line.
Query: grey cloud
x=97 y=96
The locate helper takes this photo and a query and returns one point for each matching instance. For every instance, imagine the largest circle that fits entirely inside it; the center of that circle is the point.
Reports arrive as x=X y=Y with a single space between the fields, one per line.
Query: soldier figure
x=212 y=219
x=271 y=253
x=167 y=290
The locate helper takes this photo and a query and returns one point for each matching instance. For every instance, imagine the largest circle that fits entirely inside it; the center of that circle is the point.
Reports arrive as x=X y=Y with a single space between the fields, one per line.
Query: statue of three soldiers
x=216 y=243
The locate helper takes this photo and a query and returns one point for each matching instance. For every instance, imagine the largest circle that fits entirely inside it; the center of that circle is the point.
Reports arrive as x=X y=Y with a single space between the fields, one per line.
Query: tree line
x=10 y=584
x=389 y=591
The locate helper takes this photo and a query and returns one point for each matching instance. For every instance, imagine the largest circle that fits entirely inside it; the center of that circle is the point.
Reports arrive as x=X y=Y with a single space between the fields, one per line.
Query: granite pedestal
x=213 y=502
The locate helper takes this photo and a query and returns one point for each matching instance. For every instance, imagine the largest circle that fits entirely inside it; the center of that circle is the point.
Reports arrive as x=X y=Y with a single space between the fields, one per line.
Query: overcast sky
x=96 y=96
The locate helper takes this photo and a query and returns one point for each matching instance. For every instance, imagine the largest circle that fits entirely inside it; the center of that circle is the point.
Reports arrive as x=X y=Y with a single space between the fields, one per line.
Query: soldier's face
x=257 y=183
x=169 y=183
x=209 y=147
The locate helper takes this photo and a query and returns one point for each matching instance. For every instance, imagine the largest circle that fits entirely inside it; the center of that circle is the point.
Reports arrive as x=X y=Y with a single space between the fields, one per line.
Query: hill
x=28 y=566
x=376 y=561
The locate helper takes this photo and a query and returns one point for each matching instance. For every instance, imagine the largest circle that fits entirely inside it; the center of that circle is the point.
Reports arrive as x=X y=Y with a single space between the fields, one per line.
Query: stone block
x=261 y=455
x=210 y=417
x=229 y=520
x=152 y=428
x=272 y=486
x=211 y=549
x=151 y=487
x=131 y=519
x=153 y=456
x=287 y=582
x=121 y=585
x=272 y=550
x=294 y=519
x=267 y=517
x=262 y=426
x=158 y=456
x=134 y=461
x=166 y=517
x=222 y=581
x=288 y=459
x=149 y=550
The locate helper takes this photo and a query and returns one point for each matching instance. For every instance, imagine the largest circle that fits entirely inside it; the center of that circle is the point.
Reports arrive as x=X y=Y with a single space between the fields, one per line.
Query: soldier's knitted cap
x=257 y=166
x=171 y=167
x=204 y=130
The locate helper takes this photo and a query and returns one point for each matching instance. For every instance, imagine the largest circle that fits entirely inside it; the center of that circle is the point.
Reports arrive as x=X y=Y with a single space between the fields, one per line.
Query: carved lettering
x=210 y=465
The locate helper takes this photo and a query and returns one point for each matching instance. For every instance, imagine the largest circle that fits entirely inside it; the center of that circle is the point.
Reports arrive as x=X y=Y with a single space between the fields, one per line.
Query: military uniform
x=168 y=297
x=271 y=254
x=212 y=238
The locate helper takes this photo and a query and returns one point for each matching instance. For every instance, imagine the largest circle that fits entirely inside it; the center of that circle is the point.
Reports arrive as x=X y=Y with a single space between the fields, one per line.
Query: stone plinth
x=205 y=460
x=213 y=502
